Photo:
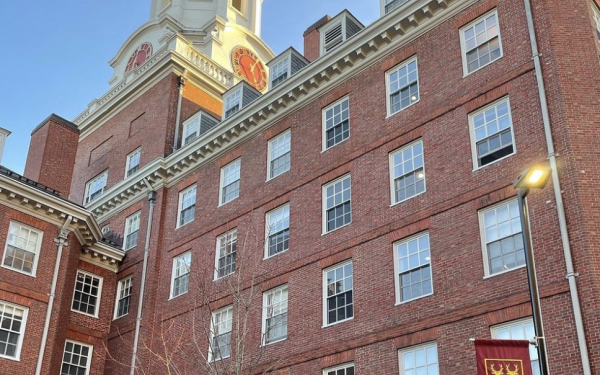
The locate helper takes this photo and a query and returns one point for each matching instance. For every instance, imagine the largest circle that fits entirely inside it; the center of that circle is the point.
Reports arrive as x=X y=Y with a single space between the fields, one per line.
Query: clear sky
x=55 y=53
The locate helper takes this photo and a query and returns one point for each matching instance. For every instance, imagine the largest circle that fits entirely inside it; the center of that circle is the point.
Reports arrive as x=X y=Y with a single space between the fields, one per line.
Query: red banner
x=503 y=357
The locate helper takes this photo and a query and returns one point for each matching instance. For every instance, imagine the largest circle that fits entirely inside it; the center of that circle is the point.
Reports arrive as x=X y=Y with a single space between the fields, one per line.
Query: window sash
x=519 y=330
x=412 y=259
x=12 y=327
x=403 y=86
x=390 y=5
x=230 y=181
x=191 y=130
x=277 y=231
x=280 y=72
x=76 y=357
x=132 y=228
x=133 y=162
x=124 y=297
x=87 y=293
x=338 y=293
x=492 y=133
x=280 y=154
x=221 y=326
x=22 y=248
x=233 y=103
x=337 y=204
x=422 y=359
x=187 y=206
x=408 y=172
x=180 y=275
x=336 y=123
x=347 y=369
x=95 y=187
x=481 y=42
x=275 y=315
x=226 y=254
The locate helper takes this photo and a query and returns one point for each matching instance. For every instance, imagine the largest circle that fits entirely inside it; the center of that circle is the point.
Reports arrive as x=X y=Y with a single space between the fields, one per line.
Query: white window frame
x=324 y=293
x=128 y=227
x=37 y=249
x=326 y=371
x=518 y=322
x=229 y=101
x=193 y=121
x=222 y=186
x=384 y=3
x=265 y=313
x=474 y=140
x=180 y=207
x=17 y=357
x=388 y=91
x=393 y=176
x=324 y=203
x=270 y=154
x=174 y=272
x=324 y=123
x=244 y=6
x=486 y=262
x=268 y=228
x=283 y=66
x=463 y=46
x=220 y=238
x=128 y=162
x=89 y=358
x=413 y=349
x=88 y=185
x=99 y=297
x=229 y=311
x=121 y=285
x=421 y=265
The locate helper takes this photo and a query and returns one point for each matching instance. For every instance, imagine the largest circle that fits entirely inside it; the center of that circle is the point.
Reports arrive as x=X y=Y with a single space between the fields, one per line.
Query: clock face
x=249 y=66
x=139 y=56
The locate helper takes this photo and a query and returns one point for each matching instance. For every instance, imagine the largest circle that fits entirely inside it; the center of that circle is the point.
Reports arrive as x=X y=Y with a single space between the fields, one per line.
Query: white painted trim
x=222 y=180
x=17 y=357
x=412 y=348
x=391 y=169
x=397 y=270
x=99 y=297
x=223 y=236
x=270 y=149
x=324 y=123
x=324 y=293
x=267 y=229
x=89 y=359
x=89 y=184
x=212 y=330
x=173 y=269
x=388 y=92
x=128 y=161
x=324 y=203
x=128 y=227
x=264 y=313
x=180 y=205
x=339 y=367
x=37 y=249
x=119 y=289
x=463 y=48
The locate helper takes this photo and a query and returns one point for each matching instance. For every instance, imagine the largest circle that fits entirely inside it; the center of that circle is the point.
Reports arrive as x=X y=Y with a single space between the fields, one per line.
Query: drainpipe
x=152 y=200
x=564 y=234
x=180 y=85
x=61 y=242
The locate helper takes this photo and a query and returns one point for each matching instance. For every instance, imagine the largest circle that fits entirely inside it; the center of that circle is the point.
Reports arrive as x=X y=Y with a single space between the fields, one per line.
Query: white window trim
x=463 y=47
x=224 y=235
x=324 y=124
x=391 y=162
x=91 y=351
x=119 y=288
x=267 y=233
x=98 y=302
x=472 y=132
x=212 y=330
x=383 y=4
x=17 y=357
x=127 y=225
x=397 y=271
x=324 y=293
x=270 y=148
x=37 y=250
x=412 y=348
x=324 y=204
x=186 y=124
x=244 y=8
x=230 y=94
x=173 y=267
x=331 y=25
x=222 y=180
x=264 y=314
x=128 y=161
x=89 y=184
x=339 y=367
x=289 y=70
x=486 y=262
x=180 y=205
x=494 y=328
x=387 y=86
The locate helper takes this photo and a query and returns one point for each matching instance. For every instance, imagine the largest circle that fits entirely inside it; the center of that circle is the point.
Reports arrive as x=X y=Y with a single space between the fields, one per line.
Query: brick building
x=348 y=209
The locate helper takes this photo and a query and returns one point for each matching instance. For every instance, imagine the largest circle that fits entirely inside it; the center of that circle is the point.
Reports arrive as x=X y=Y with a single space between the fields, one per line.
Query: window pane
x=482 y=42
x=419 y=360
x=338 y=206
x=339 y=289
x=403 y=86
x=337 y=123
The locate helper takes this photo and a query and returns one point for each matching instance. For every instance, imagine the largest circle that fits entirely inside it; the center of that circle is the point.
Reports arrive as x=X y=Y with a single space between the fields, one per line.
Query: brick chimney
x=52 y=151
x=312 y=39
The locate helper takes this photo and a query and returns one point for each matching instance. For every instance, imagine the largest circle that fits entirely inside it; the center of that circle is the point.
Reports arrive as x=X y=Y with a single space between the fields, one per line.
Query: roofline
x=59 y=120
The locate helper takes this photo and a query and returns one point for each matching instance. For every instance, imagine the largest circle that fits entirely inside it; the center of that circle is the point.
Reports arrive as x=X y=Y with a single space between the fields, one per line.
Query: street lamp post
x=533 y=178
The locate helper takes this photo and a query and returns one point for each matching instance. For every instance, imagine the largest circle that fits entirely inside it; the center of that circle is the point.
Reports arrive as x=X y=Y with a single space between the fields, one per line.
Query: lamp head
x=533 y=178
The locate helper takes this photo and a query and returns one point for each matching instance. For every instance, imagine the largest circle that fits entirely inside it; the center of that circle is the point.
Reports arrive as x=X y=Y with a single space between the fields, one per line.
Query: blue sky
x=56 y=53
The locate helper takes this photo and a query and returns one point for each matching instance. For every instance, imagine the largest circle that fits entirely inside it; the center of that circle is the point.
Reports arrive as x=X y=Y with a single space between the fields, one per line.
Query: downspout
x=180 y=85
x=564 y=234
x=152 y=200
x=61 y=242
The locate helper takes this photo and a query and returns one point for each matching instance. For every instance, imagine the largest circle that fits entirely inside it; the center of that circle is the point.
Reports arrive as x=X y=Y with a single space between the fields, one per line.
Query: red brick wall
x=312 y=40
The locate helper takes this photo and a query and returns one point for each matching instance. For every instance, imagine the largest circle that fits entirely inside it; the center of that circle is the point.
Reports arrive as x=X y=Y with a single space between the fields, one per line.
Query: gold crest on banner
x=504 y=367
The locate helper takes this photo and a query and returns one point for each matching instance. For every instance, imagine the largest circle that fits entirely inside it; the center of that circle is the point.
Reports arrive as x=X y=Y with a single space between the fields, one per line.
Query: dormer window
x=196 y=126
x=233 y=103
x=341 y=28
x=238 y=97
x=390 y=5
x=284 y=66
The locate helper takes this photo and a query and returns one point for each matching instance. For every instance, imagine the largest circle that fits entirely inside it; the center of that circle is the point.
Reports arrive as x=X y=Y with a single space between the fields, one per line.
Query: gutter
x=564 y=234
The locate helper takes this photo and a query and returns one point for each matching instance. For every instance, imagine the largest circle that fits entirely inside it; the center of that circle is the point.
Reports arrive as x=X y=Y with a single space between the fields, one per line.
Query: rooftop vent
x=341 y=28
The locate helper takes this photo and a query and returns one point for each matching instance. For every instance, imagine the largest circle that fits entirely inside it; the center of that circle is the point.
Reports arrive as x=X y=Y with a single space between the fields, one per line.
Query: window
x=491 y=133
x=390 y=5
x=412 y=262
x=279 y=154
x=133 y=162
x=519 y=330
x=278 y=231
x=187 y=206
x=226 y=253
x=480 y=41
x=123 y=297
x=422 y=360
x=407 y=169
x=180 y=279
x=191 y=130
x=275 y=315
x=238 y=5
x=95 y=188
x=338 y=298
x=22 y=248
x=233 y=103
x=132 y=228
x=501 y=237
x=402 y=85
x=12 y=328
x=336 y=123
x=220 y=334
x=347 y=369
x=86 y=298
x=596 y=13
x=280 y=72
x=76 y=359
x=337 y=209
x=230 y=181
